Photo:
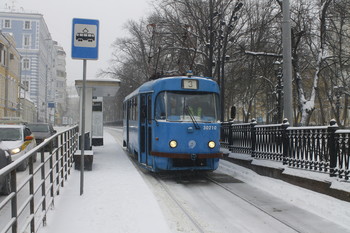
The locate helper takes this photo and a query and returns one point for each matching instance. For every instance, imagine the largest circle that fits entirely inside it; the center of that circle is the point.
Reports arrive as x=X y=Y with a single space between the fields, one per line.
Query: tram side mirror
x=233 y=113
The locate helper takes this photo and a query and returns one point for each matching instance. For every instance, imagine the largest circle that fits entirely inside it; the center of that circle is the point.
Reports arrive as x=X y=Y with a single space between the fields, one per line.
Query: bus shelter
x=95 y=90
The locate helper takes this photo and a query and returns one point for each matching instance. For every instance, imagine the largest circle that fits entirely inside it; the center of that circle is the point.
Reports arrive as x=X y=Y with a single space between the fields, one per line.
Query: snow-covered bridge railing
x=30 y=194
x=320 y=148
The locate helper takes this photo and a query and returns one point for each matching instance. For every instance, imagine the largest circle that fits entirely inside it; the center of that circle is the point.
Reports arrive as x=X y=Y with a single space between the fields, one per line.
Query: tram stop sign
x=85 y=39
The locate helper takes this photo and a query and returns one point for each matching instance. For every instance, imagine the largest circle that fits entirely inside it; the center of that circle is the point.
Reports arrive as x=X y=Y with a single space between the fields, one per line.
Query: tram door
x=145 y=127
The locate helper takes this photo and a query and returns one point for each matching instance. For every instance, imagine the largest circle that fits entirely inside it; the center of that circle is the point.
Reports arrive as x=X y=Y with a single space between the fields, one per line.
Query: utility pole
x=211 y=42
x=287 y=63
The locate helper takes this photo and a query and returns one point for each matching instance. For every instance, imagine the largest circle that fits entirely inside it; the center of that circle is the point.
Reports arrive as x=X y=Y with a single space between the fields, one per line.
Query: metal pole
x=46 y=73
x=287 y=63
x=82 y=146
x=219 y=73
x=211 y=43
x=222 y=93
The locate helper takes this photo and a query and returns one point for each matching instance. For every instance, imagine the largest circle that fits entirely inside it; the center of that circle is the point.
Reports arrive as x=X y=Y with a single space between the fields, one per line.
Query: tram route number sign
x=85 y=39
x=190 y=84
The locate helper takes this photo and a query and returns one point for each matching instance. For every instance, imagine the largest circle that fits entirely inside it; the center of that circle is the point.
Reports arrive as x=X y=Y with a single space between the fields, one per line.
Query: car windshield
x=10 y=134
x=38 y=127
x=185 y=106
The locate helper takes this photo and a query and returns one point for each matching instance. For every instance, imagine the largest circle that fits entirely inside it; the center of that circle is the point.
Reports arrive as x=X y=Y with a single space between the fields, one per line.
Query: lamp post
x=224 y=31
x=338 y=91
x=279 y=93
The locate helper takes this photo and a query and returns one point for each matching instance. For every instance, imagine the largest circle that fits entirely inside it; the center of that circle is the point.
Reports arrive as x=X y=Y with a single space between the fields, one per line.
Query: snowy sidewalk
x=115 y=199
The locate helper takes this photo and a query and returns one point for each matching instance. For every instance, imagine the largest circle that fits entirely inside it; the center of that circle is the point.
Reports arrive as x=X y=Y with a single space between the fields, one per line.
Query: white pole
x=82 y=131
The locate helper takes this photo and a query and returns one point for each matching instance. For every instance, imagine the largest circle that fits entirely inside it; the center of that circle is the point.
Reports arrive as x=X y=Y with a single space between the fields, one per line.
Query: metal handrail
x=40 y=185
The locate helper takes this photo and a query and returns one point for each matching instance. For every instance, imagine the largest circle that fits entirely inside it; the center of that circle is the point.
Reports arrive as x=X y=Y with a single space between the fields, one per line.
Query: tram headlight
x=173 y=143
x=211 y=144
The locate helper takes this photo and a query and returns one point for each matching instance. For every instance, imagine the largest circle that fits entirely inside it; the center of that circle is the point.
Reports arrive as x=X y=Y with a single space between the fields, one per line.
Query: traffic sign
x=85 y=39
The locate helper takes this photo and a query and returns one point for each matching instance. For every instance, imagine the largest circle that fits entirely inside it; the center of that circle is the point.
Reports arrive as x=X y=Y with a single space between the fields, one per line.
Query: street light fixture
x=224 y=31
x=279 y=92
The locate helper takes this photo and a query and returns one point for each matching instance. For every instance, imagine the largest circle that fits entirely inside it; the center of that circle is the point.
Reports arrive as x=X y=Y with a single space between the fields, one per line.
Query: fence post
x=332 y=147
x=230 y=137
x=285 y=141
x=253 y=136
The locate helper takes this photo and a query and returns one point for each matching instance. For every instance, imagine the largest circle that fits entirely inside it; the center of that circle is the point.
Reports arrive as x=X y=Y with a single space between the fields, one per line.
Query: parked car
x=41 y=132
x=5 y=181
x=16 y=139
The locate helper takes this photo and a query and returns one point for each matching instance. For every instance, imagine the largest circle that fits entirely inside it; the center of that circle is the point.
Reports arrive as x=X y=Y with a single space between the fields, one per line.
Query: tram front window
x=181 y=106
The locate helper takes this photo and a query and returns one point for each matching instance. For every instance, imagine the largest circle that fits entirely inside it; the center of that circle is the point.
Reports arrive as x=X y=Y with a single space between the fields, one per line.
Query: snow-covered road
x=244 y=206
x=119 y=198
x=221 y=203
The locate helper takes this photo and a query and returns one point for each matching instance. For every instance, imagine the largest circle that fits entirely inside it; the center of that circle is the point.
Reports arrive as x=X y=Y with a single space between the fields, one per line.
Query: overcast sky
x=58 y=15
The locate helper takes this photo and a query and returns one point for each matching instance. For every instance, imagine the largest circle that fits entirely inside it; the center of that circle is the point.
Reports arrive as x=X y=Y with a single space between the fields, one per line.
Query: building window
x=26 y=85
x=3 y=57
x=25 y=64
x=27 y=25
x=7 y=23
x=26 y=40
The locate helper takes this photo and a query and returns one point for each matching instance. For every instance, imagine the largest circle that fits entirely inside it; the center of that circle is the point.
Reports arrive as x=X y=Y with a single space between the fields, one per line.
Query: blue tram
x=173 y=124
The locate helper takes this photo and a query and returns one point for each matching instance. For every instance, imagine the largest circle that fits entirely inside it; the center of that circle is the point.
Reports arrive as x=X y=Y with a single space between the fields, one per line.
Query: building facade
x=35 y=45
x=58 y=89
x=9 y=77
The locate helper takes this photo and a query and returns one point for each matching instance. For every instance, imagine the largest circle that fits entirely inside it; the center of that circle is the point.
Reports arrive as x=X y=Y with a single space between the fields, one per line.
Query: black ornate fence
x=320 y=148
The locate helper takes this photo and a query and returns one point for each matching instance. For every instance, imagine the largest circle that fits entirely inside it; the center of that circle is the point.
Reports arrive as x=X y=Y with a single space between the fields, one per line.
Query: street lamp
x=338 y=91
x=224 y=31
x=279 y=92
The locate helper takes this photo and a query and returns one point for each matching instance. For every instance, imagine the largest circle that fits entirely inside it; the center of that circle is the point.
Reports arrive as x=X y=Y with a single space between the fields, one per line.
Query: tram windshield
x=185 y=106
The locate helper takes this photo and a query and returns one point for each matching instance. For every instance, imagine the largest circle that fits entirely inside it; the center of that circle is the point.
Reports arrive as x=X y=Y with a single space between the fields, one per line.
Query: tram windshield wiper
x=195 y=123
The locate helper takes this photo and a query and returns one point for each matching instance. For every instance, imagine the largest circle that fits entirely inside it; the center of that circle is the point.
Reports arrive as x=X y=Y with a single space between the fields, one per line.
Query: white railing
x=32 y=192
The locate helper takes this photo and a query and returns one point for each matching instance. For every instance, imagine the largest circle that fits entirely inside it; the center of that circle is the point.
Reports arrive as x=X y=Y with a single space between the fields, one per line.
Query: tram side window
x=136 y=110
x=133 y=109
x=160 y=106
x=130 y=109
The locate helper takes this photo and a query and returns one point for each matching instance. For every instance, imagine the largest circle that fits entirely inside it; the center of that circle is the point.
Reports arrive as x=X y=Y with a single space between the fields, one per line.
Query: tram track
x=251 y=203
x=190 y=217
x=147 y=175
x=207 y=176
x=219 y=202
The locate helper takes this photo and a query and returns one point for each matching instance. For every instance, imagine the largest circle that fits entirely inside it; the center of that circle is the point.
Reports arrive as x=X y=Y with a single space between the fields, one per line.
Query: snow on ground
x=335 y=182
x=325 y=206
x=115 y=199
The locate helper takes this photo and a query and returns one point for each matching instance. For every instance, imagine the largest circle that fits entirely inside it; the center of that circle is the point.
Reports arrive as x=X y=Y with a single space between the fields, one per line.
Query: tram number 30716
x=209 y=127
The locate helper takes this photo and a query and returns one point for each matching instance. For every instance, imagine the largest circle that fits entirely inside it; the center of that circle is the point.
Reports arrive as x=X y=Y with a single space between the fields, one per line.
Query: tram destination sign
x=190 y=84
x=85 y=33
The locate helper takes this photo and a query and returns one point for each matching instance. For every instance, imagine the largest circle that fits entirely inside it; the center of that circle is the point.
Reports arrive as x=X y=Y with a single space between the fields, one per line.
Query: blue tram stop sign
x=85 y=39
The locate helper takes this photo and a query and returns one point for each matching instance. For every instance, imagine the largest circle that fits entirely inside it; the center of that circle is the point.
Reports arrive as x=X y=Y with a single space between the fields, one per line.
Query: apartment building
x=35 y=45
x=9 y=77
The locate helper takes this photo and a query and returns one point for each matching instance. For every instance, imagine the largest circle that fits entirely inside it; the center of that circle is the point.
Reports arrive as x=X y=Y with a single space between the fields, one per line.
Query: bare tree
x=336 y=74
x=251 y=70
x=238 y=42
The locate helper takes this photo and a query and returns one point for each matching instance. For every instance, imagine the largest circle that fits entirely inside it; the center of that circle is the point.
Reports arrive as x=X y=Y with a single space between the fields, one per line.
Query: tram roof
x=173 y=84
